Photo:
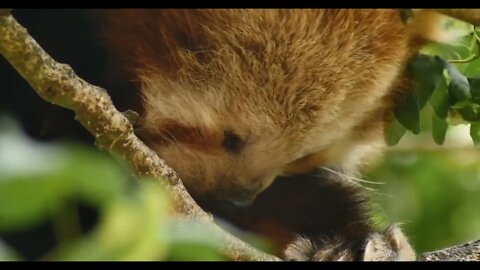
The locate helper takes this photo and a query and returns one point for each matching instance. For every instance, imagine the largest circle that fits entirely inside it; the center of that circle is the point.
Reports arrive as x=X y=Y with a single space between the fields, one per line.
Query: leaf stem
x=473 y=57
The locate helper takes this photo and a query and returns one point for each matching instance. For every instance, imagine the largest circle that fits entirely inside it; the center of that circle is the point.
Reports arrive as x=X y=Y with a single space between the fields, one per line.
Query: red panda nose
x=244 y=202
x=239 y=197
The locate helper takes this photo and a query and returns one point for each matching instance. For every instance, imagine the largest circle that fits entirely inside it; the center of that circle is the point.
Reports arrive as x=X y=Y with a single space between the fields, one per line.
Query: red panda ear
x=153 y=39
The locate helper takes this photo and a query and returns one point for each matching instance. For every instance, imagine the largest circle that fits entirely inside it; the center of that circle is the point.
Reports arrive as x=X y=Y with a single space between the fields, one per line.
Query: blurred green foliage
x=44 y=184
x=436 y=194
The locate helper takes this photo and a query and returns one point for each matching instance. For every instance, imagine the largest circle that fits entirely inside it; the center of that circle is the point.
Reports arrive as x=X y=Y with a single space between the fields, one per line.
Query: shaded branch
x=58 y=84
x=471 y=16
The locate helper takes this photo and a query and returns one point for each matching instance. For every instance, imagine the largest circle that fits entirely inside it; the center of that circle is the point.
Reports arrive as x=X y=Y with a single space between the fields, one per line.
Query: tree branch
x=466 y=252
x=58 y=84
x=471 y=16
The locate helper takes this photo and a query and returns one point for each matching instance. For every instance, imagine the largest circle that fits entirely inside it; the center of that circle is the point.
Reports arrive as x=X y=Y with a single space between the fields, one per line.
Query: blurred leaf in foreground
x=39 y=182
x=435 y=195
x=36 y=179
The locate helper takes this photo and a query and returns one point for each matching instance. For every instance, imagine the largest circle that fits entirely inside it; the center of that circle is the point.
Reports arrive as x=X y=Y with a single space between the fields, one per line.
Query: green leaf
x=470 y=112
x=94 y=176
x=472 y=67
x=459 y=87
x=36 y=180
x=440 y=99
x=408 y=113
x=194 y=241
x=394 y=132
x=475 y=89
x=193 y=251
x=427 y=74
x=24 y=203
x=133 y=227
x=462 y=46
x=475 y=132
x=439 y=129
x=28 y=180
x=455 y=119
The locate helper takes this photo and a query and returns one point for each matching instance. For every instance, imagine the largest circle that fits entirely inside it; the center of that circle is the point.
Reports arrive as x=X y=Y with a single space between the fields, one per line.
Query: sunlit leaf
x=94 y=176
x=24 y=203
x=132 y=228
x=462 y=44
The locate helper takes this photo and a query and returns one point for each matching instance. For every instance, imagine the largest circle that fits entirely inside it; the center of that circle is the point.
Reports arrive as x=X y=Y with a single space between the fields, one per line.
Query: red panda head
x=233 y=97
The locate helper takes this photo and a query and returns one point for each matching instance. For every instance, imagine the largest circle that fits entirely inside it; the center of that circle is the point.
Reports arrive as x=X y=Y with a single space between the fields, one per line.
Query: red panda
x=234 y=99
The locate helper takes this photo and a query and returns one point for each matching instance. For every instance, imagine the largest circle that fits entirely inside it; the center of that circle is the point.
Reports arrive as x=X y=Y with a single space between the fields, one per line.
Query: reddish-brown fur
x=299 y=88
x=293 y=76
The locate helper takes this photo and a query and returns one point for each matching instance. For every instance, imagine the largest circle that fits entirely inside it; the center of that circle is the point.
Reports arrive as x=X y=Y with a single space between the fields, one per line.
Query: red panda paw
x=391 y=245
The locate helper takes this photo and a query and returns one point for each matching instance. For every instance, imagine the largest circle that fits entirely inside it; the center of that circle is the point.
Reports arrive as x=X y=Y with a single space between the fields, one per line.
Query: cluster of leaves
x=41 y=186
x=445 y=77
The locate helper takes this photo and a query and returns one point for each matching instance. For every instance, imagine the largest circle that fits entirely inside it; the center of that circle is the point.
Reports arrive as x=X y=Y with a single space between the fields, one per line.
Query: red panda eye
x=231 y=142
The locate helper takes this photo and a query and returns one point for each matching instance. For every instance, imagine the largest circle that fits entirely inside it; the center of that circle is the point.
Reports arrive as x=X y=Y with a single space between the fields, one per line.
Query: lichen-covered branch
x=58 y=84
x=467 y=252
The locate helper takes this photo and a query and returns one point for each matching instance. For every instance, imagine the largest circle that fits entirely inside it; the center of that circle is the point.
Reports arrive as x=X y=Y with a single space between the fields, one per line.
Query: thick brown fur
x=232 y=99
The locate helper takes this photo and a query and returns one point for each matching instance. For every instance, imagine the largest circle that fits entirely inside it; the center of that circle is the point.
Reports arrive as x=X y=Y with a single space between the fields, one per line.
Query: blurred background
x=433 y=190
x=60 y=198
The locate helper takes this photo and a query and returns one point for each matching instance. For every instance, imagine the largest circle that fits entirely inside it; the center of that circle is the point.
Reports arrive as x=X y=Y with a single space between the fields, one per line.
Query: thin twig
x=471 y=16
